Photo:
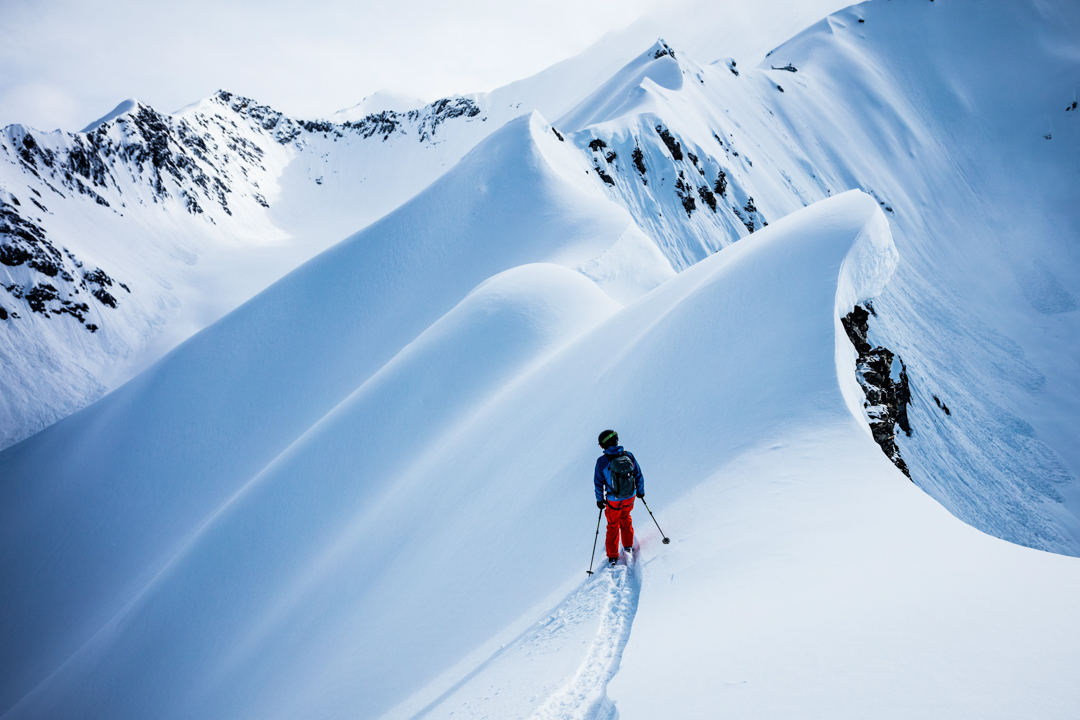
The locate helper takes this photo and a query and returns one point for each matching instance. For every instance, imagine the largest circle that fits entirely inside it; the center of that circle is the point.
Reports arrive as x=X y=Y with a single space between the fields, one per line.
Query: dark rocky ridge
x=200 y=159
x=23 y=244
x=384 y=124
x=639 y=162
x=673 y=145
x=663 y=50
x=696 y=178
x=886 y=399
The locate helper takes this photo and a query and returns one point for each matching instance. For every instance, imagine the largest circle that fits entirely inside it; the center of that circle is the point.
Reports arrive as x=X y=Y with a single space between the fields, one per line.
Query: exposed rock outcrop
x=887 y=397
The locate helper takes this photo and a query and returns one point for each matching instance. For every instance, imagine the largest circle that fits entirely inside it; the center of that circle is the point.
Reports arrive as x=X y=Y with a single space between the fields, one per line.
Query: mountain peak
x=660 y=49
x=127 y=106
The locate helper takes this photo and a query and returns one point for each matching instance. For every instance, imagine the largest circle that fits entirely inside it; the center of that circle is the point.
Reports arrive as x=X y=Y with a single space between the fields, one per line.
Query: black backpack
x=623 y=477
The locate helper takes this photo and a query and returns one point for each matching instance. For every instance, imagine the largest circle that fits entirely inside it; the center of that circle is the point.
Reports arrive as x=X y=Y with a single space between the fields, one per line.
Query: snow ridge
x=661 y=138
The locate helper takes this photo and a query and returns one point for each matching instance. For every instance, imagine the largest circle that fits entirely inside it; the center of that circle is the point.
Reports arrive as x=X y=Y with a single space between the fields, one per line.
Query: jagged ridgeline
x=201 y=159
x=673 y=172
x=23 y=245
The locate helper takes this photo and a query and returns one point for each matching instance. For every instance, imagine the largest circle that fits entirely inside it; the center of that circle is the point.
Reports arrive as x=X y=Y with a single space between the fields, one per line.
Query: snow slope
x=363 y=492
x=197 y=211
x=948 y=109
x=806 y=577
x=517 y=199
x=362 y=561
x=981 y=319
x=813 y=583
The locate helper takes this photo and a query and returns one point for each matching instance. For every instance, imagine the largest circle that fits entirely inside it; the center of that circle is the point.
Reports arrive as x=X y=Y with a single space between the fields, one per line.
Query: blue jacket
x=602 y=475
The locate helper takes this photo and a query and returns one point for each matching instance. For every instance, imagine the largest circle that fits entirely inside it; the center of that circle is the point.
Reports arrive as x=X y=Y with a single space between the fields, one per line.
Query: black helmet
x=608 y=438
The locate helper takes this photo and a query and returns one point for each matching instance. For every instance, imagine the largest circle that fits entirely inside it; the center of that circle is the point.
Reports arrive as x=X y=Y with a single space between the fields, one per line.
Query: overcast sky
x=64 y=63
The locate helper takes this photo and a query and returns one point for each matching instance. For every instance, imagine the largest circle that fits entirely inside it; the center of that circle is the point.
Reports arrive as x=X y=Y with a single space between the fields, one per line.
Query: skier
x=617 y=479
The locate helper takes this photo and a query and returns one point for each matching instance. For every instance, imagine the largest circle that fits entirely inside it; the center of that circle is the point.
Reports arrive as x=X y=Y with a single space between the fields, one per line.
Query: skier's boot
x=612 y=561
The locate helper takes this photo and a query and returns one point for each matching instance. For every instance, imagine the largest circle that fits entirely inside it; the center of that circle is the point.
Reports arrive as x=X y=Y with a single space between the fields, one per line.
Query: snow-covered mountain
x=293 y=188
x=792 y=284
x=146 y=227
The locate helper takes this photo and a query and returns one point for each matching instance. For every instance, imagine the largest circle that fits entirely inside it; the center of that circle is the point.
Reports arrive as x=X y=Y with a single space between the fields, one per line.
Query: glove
x=641 y=496
x=600 y=504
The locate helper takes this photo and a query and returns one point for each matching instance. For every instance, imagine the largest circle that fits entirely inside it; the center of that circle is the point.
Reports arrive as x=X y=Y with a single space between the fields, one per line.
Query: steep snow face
x=944 y=114
x=626 y=92
x=666 y=137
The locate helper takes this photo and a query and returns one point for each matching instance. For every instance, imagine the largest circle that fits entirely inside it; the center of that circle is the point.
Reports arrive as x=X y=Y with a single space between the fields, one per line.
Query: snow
x=584 y=695
x=377 y=103
x=806 y=579
x=627 y=91
x=949 y=117
x=293 y=575
x=558 y=667
x=127 y=106
x=364 y=492
x=485 y=226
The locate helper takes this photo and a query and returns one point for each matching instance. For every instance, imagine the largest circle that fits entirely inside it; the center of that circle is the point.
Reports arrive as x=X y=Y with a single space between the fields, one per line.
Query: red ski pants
x=618 y=520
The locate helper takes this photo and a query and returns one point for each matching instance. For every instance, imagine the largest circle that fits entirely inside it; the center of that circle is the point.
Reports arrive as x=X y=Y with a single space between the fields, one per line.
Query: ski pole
x=593 y=557
x=666 y=538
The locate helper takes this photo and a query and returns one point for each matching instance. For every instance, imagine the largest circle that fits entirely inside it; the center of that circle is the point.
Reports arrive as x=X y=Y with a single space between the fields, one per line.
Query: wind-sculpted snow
x=628 y=91
x=326 y=521
x=362 y=492
x=702 y=155
x=316 y=336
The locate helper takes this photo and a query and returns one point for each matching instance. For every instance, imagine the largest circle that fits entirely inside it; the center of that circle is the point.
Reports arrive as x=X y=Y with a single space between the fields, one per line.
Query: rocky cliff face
x=884 y=380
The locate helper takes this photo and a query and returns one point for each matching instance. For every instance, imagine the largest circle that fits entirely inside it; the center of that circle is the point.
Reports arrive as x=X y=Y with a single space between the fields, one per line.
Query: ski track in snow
x=534 y=669
x=584 y=697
